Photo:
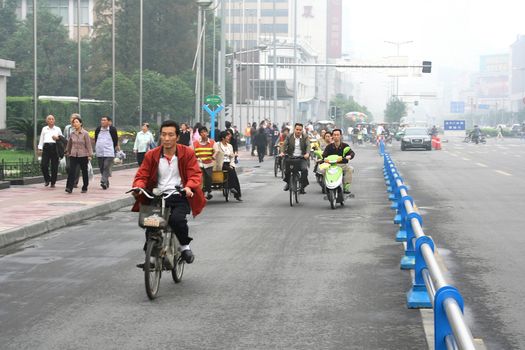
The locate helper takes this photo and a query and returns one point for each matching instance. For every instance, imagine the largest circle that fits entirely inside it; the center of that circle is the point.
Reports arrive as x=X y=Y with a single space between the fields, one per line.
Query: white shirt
x=46 y=136
x=297 y=150
x=169 y=176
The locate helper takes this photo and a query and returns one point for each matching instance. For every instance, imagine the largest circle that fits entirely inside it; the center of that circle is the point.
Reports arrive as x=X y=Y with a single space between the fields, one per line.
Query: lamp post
x=199 y=76
x=398 y=44
x=35 y=79
x=113 y=60
x=141 y=46
x=79 y=63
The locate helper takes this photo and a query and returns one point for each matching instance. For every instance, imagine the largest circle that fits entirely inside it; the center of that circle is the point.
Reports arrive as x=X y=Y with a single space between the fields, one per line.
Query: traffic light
x=227 y=112
x=427 y=66
x=338 y=112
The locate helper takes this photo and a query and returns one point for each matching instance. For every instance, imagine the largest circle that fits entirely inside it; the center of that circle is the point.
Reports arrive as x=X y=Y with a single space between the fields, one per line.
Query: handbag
x=90 y=171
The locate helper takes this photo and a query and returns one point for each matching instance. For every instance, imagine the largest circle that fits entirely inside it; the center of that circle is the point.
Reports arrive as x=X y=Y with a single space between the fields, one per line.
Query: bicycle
x=162 y=246
x=294 y=163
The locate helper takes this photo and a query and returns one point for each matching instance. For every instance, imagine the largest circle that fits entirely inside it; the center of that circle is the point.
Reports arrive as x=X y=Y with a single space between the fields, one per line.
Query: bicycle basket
x=153 y=217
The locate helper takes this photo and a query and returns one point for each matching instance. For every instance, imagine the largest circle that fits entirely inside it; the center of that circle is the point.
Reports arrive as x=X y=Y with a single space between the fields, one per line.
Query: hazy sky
x=450 y=33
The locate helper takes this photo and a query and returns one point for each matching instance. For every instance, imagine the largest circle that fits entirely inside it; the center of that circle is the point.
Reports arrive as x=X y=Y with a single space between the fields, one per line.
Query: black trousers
x=303 y=168
x=140 y=157
x=180 y=208
x=74 y=164
x=207 y=174
x=233 y=180
x=77 y=171
x=261 y=151
x=49 y=155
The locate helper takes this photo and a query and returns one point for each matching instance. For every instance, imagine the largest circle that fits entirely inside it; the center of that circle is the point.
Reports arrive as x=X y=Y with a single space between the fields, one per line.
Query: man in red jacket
x=166 y=167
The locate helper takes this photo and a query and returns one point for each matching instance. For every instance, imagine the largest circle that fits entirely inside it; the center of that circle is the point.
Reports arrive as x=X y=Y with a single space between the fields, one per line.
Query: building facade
x=67 y=10
x=517 y=86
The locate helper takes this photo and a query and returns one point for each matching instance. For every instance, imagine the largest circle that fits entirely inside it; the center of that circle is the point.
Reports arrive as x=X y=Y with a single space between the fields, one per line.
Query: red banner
x=334 y=28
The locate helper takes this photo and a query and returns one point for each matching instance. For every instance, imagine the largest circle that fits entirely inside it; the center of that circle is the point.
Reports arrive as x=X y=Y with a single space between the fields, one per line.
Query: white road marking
x=502 y=173
x=465 y=158
x=482 y=165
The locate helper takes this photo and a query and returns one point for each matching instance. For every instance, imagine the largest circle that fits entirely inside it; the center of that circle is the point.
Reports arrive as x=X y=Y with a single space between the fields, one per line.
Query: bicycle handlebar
x=178 y=190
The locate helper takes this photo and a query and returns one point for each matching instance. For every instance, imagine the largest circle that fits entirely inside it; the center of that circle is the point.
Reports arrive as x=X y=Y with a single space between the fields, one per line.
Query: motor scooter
x=333 y=179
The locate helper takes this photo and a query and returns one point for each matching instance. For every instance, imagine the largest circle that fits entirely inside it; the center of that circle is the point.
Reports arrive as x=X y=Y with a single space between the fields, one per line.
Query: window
x=279 y=28
x=84 y=12
x=278 y=13
x=59 y=8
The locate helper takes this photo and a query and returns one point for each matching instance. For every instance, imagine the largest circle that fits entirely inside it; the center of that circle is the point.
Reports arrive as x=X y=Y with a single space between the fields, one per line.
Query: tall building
x=67 y=10
x=517 y=88
x=250 y=25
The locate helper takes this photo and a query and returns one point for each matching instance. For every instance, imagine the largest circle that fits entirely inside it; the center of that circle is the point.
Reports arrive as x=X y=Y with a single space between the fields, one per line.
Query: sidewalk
x=32 y=210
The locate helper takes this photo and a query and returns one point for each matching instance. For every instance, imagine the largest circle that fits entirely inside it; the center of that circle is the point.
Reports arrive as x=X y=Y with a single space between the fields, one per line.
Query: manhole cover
x=67 y=204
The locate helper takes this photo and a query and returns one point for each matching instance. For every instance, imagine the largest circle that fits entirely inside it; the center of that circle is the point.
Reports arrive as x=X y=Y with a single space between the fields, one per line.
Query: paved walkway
x=32 y=210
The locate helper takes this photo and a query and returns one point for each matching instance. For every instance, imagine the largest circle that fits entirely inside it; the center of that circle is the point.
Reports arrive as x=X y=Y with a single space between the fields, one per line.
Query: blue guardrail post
x=441 y=325
x=417 y=296
x=408 y=261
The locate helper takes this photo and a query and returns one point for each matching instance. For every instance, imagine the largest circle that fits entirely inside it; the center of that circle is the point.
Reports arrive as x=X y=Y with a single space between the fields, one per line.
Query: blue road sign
x=213 y=115
x=457 y=107
x=454 y=125
x=483 y=106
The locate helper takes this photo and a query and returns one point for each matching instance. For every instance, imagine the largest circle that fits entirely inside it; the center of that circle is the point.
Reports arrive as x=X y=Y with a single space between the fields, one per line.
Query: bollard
x=408 y=261
x=442 y=326
x=417 y=296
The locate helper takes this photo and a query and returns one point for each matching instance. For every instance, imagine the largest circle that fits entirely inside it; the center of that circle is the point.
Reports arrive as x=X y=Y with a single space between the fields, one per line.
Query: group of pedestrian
x=76 y=146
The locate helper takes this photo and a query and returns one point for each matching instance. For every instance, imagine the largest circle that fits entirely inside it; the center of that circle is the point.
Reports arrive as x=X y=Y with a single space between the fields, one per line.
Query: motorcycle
x=333 y=179
x=318 y=157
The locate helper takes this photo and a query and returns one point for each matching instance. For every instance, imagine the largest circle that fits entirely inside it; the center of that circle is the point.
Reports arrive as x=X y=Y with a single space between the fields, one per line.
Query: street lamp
x=398 y=44
x=203 y=5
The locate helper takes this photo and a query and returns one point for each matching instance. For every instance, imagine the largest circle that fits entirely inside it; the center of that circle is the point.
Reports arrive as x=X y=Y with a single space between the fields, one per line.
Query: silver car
x=416 y=138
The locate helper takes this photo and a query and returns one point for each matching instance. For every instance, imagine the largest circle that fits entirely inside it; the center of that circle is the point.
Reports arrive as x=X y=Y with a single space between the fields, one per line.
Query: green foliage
x=8 y=20
x=346 y=104
x=56 y=57
x=126 y=98
x=395 y=110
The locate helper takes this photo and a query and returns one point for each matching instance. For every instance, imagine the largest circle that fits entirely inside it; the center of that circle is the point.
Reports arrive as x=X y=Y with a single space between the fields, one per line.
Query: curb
x=18 y=235
x=37 y=229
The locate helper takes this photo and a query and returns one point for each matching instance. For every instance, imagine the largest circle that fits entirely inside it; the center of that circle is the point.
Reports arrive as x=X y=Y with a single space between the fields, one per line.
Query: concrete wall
x=5 y=71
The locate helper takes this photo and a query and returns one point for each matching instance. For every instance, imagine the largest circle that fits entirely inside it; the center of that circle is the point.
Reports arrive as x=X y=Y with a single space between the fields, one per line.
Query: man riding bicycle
x=337 y=147
x=296 y=145
x=168 y=167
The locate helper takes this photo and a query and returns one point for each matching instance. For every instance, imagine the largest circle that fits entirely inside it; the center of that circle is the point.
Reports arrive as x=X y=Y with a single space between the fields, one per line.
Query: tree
x=25 y=126
x=395 y=110
x=8 y=20
x=347 y=104
x=56 y=57
x=126 y=98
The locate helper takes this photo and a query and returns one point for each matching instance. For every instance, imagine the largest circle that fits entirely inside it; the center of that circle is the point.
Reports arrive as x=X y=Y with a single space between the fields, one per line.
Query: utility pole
x=79 y=52
x=113 y=60
x=274 y=65
x=141 y=44
x=35 y=79
x=398 y=44
x=294 y=108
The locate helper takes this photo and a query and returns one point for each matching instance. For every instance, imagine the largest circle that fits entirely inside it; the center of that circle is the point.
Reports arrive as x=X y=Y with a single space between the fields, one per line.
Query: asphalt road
x=266 y=276
x=471 y=198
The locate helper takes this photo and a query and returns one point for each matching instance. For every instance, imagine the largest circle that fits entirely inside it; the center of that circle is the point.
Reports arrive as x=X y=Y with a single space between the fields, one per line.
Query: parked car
x=416 y=137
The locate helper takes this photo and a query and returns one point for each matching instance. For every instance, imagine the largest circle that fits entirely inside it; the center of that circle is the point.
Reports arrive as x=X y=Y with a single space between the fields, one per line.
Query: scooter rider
x=296 y=145
x=337 y=147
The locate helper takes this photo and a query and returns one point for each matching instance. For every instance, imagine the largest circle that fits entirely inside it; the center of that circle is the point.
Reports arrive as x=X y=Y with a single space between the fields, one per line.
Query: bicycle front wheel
x=178 y=270
x=152 y=269
x=291 y=189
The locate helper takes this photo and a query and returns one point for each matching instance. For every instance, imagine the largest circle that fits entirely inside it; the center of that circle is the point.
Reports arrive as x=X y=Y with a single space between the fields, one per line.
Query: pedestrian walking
x=253 y=133
x=143 y=142
x=47 y=148
x=500 y=134
x=248 y=137
x=233 y=139
x=106 y=143
x=68 y=129
x=195 y=133
x=79 y=151
x=261 y=142
x=185 y=135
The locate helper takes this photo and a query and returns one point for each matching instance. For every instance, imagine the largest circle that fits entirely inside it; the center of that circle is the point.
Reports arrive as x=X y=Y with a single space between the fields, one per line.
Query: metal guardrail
x=429 y=287
x=31 y=168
